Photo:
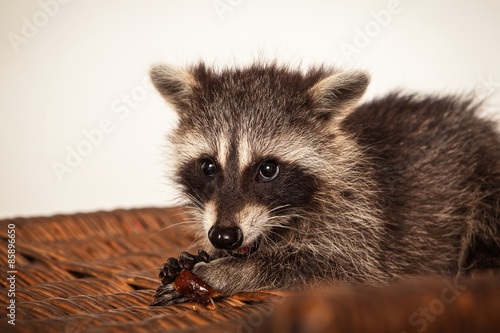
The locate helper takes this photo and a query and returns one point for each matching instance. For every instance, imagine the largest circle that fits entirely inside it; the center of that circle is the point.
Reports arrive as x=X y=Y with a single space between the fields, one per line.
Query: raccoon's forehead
x=243 y=146
x=252 y=114
x=251 y=97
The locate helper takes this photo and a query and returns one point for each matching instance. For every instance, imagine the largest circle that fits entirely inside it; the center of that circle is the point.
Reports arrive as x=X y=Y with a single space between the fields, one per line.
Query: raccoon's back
x=437 y=166
x=430 y=141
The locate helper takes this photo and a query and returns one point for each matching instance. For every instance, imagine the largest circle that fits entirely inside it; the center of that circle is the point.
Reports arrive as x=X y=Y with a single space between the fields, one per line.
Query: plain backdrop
x=81 y=129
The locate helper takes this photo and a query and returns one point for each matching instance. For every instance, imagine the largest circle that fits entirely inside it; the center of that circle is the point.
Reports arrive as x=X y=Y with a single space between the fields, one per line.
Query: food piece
x=191 y=286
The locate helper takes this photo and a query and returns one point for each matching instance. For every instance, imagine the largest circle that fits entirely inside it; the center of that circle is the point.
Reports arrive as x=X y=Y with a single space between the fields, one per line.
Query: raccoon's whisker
x=269 y=240
x=196 y=202
x=195 y=216
x=177 y=224
x=281 y=217
x=194 y=211
x=168 y=227
x=283 y=227
x=197 y=236
x=286 y=218
x=278 y=208
x=177 y=214
x=196 y=199
x=266 y=239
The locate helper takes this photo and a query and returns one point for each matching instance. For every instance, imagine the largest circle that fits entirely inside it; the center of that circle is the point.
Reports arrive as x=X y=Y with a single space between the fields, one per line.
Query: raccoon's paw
x=172 y=267
x=167 y=295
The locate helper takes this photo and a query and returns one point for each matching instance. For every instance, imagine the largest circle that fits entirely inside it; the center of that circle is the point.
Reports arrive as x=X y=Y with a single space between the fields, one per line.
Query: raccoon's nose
x=225 y=238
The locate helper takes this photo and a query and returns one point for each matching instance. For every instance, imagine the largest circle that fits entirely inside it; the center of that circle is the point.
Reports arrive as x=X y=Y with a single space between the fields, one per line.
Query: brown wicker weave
x=97 y=272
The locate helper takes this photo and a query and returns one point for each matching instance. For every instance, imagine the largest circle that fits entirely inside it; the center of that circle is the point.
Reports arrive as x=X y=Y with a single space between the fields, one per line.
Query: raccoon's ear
x=174 y=84
x=335 y=96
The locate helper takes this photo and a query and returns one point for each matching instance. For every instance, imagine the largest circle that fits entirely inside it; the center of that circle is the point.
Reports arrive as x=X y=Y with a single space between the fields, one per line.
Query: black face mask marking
x=269 y=182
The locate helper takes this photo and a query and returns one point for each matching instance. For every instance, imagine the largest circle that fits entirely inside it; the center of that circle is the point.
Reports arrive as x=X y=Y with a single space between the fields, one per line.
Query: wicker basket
x=97 y=272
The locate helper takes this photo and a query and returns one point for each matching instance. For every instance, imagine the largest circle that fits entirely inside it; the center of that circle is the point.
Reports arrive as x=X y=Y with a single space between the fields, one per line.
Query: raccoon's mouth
x=244 y=251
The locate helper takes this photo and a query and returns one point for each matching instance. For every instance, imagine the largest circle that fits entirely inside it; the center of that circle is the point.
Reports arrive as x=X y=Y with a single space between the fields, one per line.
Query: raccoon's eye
x=208 y=167
x=268 y=170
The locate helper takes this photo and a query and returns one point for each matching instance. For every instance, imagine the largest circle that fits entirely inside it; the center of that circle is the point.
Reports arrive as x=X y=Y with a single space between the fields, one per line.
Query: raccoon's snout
x=225 y=238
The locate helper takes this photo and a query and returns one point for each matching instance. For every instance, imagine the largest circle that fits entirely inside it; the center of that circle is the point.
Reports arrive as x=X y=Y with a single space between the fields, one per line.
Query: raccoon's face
x=239 y=202
x=250 y=145
x=243 y=201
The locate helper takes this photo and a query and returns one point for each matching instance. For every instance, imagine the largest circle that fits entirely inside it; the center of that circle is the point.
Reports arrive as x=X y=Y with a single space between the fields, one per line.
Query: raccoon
x=294 y=185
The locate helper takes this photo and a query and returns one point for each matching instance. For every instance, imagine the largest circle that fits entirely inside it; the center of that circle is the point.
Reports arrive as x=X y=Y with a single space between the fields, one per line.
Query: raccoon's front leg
x=230 y=275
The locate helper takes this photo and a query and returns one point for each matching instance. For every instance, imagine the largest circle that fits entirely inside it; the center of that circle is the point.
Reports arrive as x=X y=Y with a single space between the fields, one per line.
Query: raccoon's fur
x=297 y=185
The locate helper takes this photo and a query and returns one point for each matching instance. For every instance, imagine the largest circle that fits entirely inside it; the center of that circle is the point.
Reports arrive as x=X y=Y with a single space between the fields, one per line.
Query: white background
x=67 y=67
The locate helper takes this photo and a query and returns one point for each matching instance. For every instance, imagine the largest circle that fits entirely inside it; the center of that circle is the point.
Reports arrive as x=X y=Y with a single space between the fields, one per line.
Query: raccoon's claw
x=188 y=260
x=204 y=256
x=172 y=267
x=169 y=271
x=167 y=295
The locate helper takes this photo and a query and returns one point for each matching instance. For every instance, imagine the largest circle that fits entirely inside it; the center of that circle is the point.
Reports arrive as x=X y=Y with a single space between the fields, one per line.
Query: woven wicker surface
x=97 y=272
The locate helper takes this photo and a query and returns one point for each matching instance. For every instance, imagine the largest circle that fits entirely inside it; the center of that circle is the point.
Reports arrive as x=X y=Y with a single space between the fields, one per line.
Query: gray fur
x=401 y=186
